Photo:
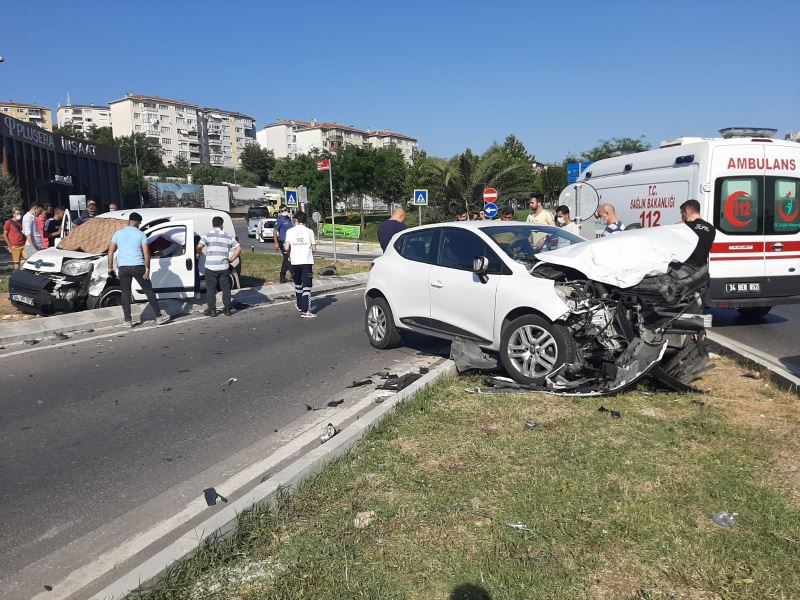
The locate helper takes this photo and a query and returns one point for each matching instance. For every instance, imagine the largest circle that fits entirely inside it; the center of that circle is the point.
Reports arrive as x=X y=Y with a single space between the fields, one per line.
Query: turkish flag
x=324 y=164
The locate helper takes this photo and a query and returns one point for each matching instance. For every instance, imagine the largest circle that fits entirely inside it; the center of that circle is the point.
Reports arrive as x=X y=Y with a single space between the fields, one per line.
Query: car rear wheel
x=111 y=296
x=381 y=330
x=531 y=348
x=753 y=313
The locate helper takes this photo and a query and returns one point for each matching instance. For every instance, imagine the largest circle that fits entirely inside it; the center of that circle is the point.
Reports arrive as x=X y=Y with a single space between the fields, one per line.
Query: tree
x=515 y=149
x=10 y=195
x=204 y=175
x=356 y=174
x=68 y=130
x=148 y=152
x=258 y=161
x=550 y=181
x=389 y=175
x=615 y=147
x=101 y=135
x=132 y=186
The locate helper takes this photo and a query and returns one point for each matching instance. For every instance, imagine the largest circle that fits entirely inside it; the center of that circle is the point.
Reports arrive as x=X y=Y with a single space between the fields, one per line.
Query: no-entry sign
x=489 y=196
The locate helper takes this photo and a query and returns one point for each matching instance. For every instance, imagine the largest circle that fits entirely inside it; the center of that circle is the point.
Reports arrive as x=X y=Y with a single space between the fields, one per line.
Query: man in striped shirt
x=221 y=249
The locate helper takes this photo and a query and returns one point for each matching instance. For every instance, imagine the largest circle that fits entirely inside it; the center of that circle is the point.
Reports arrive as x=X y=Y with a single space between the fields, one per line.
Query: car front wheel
x=110 y=296
x=381 y=330
x=531 y=348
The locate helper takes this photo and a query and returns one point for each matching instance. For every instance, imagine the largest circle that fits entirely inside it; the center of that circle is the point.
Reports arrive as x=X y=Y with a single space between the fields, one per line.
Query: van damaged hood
x=624 y=259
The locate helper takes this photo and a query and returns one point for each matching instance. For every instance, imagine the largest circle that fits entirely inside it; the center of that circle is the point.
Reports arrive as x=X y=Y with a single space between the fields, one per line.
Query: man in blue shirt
x=282 y=225
x=388 y=228
x=133 y=257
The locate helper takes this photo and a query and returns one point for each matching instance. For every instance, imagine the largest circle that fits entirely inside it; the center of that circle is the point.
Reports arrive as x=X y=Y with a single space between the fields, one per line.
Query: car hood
x=50 y=260
x=624 y=259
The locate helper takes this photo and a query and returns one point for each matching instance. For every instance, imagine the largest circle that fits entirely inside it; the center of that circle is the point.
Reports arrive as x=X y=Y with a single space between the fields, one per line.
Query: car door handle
x=188 y=264
x=777 y=247
x=437 y=284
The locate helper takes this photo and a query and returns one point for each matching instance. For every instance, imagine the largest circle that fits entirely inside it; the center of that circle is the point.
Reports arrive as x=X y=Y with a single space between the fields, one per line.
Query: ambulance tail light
x=685 y=160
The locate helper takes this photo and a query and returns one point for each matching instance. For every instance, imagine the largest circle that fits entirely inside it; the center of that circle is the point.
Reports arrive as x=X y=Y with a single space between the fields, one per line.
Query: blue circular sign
x=490 y=210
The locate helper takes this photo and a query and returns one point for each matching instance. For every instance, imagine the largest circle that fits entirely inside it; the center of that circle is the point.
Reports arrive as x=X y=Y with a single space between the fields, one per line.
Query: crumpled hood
x=50 y=260
x=624 y=259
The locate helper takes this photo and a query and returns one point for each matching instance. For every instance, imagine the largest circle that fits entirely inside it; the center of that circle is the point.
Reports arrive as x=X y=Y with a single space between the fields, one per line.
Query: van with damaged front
x=74 y=275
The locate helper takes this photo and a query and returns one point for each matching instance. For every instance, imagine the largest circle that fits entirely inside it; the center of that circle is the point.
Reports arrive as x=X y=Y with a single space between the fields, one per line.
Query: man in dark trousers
x=390 y=227
x=283 y=224
x=301 y=245
x=221 y=248
x=690 y=213
x=133 y=257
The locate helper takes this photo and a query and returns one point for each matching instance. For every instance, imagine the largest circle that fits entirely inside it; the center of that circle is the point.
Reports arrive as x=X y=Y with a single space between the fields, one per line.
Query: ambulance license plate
x=743 y=288
x=24 y=299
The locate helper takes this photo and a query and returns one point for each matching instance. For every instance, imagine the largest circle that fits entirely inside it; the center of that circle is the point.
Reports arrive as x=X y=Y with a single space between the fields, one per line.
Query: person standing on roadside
x=52 y=228
x=33 y=241
x=221 y=249
x=507 y=214
x=301 y=245
x=391 y=226
x=112 y=207
x=564 y=221
x=462 y=216
x=133 y=257
x=91 y=212
x=690 y=214
x=15 y=239
x=538 y=214
x=283 y=224
x=608 y=215
x=41 y=221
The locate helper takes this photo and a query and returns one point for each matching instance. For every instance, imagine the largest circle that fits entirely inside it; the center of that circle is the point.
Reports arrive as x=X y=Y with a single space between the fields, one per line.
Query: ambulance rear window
x=786 y=207
x=738 y=205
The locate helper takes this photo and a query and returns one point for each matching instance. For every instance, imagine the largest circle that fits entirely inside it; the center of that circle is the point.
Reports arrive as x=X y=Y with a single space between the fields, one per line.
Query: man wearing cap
x=91 y=212
x=133 y=258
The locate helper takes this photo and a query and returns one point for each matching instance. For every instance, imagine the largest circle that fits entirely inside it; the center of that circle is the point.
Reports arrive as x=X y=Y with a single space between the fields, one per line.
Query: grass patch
x=617 y=508
x=262 y=269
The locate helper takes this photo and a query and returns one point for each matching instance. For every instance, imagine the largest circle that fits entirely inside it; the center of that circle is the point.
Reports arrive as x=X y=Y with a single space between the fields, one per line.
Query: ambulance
x=747 y=185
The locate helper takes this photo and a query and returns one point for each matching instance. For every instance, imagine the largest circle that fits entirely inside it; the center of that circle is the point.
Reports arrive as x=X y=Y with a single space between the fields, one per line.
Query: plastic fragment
x=231 y=381
x=519 y=526
x=724 y=518
x=329 y=431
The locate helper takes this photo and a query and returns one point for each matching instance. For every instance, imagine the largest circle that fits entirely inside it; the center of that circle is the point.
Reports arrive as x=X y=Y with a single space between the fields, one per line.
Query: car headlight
x=74 y=268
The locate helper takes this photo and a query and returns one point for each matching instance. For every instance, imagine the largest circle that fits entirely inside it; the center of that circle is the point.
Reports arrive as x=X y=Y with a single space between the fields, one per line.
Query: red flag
x=324 y=164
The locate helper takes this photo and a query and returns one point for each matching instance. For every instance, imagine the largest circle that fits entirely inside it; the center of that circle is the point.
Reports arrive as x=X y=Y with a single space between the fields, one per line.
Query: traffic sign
x=490 y=209
x=420 y=198
x=574 y=170
x=291 y=197
x=490 y=196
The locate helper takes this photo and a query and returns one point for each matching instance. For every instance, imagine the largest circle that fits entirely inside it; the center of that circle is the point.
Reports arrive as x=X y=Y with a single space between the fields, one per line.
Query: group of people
x=38 y=228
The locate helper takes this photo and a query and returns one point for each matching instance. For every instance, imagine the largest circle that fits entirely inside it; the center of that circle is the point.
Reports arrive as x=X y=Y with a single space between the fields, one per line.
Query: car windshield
x=523 y=242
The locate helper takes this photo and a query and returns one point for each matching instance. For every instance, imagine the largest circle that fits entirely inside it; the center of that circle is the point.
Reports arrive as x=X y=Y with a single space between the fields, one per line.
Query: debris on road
x=751 y=375
x=529 y=425
x=424 y=370
x=328 y=271
x=231 y=381
x=31 y=342
x=211 y=495
x=615 y=414
x=331 y=404
x=468 y=355
x=519 y=527
x=363 y=519
x=396 y=384
x=360 y=382
x=329 y=431
x=724 y=518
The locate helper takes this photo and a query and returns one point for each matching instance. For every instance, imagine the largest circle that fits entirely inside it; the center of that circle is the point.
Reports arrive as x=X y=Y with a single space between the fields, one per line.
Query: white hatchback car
x=430 y=280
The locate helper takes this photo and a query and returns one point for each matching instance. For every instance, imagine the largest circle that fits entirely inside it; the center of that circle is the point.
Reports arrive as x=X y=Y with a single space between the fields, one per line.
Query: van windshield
x=257 y=212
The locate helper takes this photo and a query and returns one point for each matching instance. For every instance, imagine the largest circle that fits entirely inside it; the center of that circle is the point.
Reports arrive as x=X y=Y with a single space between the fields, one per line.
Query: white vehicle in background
x=254 y=216
x=266 y=230
x=61 y=280
x=747 y=185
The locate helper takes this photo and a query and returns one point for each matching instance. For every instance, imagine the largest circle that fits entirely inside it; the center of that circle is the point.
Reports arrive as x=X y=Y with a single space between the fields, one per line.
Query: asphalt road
x=776 y=334
x=343 y=251
x=91 y=429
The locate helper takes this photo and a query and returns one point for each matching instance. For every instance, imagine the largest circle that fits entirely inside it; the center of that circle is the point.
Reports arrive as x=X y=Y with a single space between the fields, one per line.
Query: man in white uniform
x=301 y=245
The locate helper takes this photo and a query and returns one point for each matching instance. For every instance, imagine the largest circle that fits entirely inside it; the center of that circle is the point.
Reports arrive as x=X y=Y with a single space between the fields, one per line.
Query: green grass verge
x=617 y=508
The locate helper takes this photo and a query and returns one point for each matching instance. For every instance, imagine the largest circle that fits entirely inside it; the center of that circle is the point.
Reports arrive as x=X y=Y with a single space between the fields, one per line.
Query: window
x=785 y=205
x=180 y=121
x=136 y=115
x=738 y=205
x=163 y=107
x=166 y=141
x=167 y=152
x=138 y=127
x=226 y=138
x=419 y=246
x=183 y=154
x=164 y=118
x=458 y=248
x=168 y=242
x=165 y=130
x=522 y=242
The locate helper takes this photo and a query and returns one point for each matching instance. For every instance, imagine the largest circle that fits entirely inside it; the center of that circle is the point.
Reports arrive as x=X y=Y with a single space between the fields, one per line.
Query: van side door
x=172 y=260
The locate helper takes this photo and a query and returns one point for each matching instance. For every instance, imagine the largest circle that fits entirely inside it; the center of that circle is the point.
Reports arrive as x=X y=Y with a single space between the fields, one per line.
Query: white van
x=58 y=280
x=747 y=187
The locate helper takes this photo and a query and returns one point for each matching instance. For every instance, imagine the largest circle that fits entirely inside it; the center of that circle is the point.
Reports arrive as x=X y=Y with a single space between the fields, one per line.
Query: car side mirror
x=480 y=265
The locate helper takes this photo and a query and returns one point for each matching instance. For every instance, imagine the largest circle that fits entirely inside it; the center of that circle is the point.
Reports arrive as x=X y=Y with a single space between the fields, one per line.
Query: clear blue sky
x=461 y=74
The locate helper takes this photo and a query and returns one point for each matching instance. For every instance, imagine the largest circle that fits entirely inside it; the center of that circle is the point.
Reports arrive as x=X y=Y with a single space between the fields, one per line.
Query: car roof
x=148 y=214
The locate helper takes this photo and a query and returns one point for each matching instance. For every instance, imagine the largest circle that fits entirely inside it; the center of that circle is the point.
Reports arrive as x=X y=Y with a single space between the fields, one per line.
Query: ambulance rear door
x=782 y=221
x=736 y=263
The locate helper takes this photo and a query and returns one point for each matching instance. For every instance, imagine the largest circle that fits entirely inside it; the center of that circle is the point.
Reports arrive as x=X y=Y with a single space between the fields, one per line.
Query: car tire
x=552 y=347
x=754 y=313
x=110 y=296
x=380 y=326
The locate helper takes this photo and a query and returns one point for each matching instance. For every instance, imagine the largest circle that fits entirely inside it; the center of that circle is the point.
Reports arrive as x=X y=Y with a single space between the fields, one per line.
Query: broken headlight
x=74 y=268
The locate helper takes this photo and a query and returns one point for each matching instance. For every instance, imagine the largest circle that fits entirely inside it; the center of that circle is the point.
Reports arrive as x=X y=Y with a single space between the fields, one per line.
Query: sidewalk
x=36 y=330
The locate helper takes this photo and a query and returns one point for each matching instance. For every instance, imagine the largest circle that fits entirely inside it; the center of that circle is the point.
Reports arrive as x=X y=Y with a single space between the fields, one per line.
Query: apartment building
x=84 y=117
x=288 y=137
x=383 y=138
x=207 y=136
x=38 y=115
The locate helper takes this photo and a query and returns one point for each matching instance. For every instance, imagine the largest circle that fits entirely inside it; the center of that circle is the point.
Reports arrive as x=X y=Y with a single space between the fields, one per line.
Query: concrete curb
x=289 y=479
x=754 y=359
x=51 y=327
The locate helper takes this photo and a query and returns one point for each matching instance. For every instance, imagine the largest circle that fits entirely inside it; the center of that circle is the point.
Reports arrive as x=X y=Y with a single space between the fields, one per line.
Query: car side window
x=167 y=242
x=419 y=246
x=458 y=248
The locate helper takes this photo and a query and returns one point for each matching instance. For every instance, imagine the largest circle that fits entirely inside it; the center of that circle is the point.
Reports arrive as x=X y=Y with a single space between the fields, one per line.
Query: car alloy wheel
x=376 y=323
x=532 y=351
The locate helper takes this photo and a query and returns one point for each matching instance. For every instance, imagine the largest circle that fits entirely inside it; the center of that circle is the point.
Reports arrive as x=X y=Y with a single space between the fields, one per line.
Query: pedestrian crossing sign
x=291 y=197
x=420 y=198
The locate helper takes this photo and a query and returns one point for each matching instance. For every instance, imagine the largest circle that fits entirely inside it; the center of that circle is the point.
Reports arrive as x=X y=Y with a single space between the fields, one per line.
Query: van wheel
x=532 y=347
x=379 y=321
x=754 y=313
x=110 y=296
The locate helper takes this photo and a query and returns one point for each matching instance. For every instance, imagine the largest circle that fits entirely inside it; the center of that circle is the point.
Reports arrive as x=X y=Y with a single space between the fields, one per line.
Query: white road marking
x=112 y=332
